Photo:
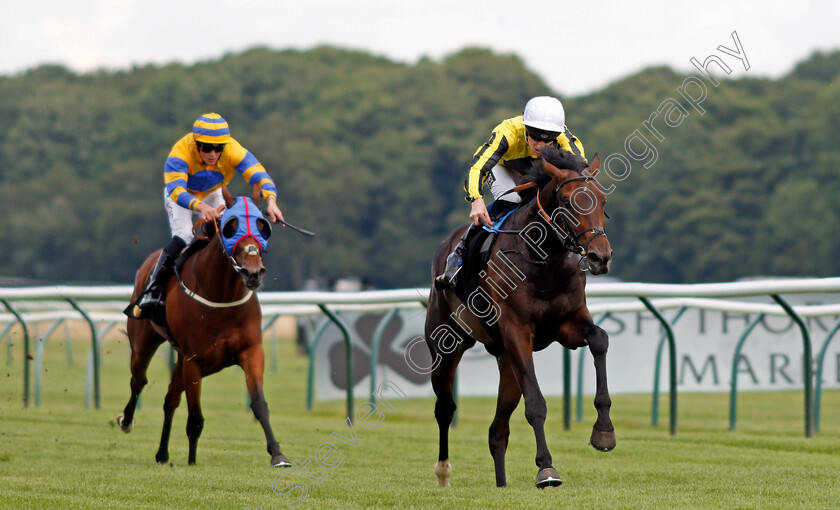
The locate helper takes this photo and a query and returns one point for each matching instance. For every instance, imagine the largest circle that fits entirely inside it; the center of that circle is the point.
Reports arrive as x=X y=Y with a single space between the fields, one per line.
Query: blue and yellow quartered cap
x=211 y=128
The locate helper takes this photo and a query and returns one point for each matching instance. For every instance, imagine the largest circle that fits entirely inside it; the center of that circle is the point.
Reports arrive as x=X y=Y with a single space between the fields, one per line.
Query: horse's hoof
x=125 y=428
x=548 y=477
x=602 y=440
x=162 y=458
x=443 y=470
x=280 y=461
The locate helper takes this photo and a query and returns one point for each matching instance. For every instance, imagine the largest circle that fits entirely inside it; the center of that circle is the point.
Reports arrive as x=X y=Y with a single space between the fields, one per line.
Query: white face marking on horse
x=251 y=250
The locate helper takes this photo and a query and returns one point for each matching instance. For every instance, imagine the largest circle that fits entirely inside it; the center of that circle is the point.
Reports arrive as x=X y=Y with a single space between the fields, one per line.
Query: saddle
x=477 y=249
x=158 y=314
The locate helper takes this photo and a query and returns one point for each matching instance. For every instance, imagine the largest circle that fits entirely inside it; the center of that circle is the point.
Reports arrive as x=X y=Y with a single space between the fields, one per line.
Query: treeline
x=371 y=154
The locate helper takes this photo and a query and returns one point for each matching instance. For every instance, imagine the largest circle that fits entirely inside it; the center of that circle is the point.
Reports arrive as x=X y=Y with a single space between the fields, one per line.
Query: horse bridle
x=570 y=238
x=236 y=267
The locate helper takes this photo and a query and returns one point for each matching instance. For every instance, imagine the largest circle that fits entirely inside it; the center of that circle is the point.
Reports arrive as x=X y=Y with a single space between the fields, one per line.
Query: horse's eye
x=230 y=228
x=567 y=203
x=264 y=227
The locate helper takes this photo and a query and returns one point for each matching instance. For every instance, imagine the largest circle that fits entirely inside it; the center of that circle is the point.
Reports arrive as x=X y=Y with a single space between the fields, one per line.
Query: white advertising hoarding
x=770 y=359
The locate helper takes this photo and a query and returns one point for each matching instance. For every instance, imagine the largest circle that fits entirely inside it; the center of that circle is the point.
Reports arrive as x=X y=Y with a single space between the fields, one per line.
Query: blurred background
x=366 y=114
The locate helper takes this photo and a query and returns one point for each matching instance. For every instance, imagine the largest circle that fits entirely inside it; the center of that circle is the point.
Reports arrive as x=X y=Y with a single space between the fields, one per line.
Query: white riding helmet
x=545 y=113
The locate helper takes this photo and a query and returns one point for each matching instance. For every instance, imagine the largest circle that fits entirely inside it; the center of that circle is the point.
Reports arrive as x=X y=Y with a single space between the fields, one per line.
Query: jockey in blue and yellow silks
x=197 y=166
x=188 y=177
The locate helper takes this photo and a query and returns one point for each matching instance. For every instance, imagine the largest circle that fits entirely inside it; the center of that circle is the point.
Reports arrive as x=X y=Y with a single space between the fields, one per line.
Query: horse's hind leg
x=252 y=362
x=170 y=403
x=144 y=342
x=509 y=395
x=195 y=421
x=603 y=433
x=443 y=378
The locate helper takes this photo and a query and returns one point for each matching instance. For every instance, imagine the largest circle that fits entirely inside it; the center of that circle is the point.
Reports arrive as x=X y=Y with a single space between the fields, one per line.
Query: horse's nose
x=599 y=264
x=253 y=279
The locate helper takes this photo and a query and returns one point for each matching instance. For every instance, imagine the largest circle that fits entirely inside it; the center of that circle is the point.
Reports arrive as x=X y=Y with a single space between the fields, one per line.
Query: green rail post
x=26 y=356
x=274 y=353
x=733 y=385
x=579 y=400
x=68 y=344
x=310 y=384
x=95 y=351
x=348 y=356
x=378 y=333
x=654 y=419
x=672 y=357
x=807 y=362
x=6 y=329
x=820 y=362
x=567 y=388
x=39 y=358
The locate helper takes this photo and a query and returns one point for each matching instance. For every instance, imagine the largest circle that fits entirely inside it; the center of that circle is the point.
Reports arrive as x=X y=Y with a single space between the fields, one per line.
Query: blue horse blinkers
x=244 y=219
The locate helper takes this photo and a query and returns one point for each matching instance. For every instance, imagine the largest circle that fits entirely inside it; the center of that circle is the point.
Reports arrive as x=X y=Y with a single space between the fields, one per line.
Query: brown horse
x=213 y=320
x=530 y=295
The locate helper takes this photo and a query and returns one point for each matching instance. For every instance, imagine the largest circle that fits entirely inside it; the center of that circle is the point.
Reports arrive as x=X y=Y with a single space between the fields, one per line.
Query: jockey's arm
x=273 y=211
x=478 y=211
x=208 y=213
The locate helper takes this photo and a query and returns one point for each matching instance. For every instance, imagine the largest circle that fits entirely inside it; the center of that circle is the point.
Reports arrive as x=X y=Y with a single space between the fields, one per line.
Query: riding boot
x=154 y=293
x=453 y=261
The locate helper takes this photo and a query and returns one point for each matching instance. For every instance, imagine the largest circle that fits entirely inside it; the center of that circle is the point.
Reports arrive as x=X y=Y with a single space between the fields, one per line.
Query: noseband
x=570 y=238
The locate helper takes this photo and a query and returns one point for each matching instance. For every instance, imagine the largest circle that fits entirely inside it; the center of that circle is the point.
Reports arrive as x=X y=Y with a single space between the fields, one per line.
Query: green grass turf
x=62 y=455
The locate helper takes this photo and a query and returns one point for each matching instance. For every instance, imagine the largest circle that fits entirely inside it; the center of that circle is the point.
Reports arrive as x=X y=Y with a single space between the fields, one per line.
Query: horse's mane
x=555 y=156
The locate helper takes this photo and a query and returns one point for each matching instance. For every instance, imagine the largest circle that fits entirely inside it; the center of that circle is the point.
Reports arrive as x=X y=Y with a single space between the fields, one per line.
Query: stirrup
x=447 y=278
x=151 y=298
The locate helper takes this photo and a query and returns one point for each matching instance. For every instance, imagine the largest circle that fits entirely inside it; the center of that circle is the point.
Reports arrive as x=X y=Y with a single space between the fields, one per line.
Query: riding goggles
x=210 y=147
x=541 y=135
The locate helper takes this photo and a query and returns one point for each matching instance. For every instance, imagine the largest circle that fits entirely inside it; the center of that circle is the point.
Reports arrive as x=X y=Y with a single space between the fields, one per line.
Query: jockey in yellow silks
x=512 y=148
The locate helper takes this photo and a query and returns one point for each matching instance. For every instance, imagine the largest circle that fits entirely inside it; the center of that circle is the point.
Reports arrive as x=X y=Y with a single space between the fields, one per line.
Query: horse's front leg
x=520 y=347
x=509 y=396
x=603 y=433
x=195 y=420
x=252 y=361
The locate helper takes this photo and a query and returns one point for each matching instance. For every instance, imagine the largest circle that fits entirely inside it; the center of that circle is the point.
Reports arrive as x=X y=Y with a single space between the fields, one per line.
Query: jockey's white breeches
x=501 y=180
x=181 y=219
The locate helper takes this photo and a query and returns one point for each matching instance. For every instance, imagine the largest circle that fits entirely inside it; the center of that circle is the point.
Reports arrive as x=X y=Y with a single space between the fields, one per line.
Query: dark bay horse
x=213 y=320
x=532 y=294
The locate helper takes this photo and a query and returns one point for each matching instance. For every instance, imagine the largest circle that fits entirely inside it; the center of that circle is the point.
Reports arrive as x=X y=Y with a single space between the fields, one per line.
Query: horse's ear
x=264 y=227
x=229 y=200
x=229 y=228
x=551 y=170
x=555 y=173
x=207 y=228
x=592 y=169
